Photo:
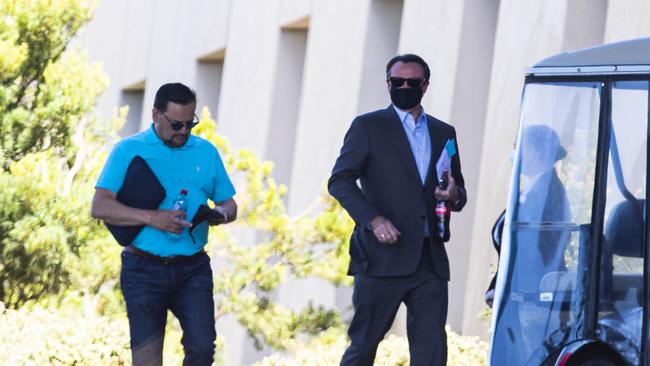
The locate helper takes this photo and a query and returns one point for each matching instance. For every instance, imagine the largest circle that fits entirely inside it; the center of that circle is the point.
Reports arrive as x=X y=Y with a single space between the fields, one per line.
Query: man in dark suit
x=538 y=239
x=542 y=200
x=396 y=253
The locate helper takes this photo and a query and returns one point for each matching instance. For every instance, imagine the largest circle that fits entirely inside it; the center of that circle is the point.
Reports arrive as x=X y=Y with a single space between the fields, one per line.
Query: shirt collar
x=151 y=137
x=410 y=122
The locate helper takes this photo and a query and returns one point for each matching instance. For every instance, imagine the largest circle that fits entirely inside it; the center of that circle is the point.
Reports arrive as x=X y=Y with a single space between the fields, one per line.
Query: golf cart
x=572 y=286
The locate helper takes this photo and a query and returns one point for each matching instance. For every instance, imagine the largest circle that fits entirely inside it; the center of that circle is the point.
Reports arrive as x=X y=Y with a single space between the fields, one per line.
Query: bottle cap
x=184 y=192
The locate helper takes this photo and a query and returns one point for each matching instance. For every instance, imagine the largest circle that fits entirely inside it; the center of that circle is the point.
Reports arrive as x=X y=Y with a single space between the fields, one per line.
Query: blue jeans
x=151 y=288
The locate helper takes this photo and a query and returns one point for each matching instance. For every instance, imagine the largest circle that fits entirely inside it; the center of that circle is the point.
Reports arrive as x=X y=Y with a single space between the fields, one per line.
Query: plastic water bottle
x=442 y=212
x=180 y=204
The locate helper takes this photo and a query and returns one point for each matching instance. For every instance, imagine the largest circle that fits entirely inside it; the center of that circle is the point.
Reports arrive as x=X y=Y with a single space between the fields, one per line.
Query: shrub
x=49 y=146
x=327 y=350
x=47 y=337
x=44 y=336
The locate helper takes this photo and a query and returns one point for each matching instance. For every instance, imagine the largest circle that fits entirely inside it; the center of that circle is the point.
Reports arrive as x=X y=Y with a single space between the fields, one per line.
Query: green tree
x=47 y=92
x=44 y=92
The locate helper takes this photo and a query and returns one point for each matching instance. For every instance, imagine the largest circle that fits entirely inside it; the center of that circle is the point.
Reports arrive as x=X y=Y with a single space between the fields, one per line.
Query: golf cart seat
x=623 y=238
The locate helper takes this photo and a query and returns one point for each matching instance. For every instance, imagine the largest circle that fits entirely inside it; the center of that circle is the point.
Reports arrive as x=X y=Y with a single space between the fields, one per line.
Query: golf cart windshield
x=547 y=252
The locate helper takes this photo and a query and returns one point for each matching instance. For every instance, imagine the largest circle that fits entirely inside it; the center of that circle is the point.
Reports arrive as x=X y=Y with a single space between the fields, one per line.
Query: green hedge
x=41 y=336
x=393 y=351
x=47 y=337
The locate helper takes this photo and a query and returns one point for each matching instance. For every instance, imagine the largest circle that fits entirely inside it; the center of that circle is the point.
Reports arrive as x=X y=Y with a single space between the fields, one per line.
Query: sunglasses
x=177 y=125
x=412 y=82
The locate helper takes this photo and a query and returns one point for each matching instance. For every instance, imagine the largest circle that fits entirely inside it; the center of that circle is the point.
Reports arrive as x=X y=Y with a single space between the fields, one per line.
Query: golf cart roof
x=626 y=57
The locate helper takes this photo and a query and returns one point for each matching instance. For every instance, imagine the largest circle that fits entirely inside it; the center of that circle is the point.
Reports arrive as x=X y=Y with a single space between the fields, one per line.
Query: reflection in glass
x=554 y=168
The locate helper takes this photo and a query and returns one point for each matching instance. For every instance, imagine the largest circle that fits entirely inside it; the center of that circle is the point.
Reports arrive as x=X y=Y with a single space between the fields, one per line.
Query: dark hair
x=406 y=58
x=175 y=93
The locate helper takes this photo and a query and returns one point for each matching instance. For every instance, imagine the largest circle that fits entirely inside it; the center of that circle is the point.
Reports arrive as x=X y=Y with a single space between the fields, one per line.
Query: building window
x=133 y=97
x=287 y=90
x=209 y=73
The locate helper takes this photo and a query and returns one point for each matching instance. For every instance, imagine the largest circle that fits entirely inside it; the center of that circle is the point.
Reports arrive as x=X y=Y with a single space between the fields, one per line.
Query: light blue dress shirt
x=417 y=132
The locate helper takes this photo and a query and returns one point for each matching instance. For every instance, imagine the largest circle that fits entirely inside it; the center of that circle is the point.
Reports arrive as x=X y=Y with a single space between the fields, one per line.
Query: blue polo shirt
x=196 y=167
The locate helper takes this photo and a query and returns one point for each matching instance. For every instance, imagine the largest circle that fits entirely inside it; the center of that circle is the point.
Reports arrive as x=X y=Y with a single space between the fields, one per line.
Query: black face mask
x=405 y=98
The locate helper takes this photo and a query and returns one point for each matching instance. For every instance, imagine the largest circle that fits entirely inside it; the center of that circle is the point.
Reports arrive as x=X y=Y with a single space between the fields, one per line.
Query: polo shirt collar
x=151 y=137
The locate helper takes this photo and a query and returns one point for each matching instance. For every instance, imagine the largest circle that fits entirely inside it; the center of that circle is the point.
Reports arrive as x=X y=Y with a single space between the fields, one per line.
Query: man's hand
x=168 y=220
x=451 y=193
x=384 y=230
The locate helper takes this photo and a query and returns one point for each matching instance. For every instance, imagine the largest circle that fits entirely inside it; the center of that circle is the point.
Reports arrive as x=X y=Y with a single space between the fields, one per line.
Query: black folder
x=141 y=189
x=206 y=213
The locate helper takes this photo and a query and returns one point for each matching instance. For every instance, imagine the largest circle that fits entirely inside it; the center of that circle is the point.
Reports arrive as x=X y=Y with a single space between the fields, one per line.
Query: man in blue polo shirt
x=160 y=271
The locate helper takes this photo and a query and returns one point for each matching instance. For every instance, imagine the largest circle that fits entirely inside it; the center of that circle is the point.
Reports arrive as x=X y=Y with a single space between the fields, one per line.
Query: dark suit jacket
x=376 y=152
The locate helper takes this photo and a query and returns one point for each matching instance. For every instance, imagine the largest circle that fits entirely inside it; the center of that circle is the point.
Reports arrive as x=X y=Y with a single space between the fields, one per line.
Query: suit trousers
x=376 y=301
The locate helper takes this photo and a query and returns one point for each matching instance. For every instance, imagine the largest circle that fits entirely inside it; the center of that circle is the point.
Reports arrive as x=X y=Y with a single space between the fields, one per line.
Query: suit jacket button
x=422 y=217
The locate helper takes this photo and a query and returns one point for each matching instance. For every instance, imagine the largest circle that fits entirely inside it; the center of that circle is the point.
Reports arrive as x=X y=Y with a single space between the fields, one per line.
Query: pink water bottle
x=442 y=212
x=442 y=220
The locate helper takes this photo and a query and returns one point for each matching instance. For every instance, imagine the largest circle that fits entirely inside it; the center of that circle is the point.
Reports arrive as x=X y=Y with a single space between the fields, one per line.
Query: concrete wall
x=526 y=33
x=285 y=78
x=627 y=19
x=457 y=40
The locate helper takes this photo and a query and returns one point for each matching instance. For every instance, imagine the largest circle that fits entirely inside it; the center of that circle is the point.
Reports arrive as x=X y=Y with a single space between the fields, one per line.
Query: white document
x=444 y=161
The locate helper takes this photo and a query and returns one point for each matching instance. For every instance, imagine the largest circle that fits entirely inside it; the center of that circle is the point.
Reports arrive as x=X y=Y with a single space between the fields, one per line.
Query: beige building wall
x=285 y=78
x=627 y=19
x=328 y=55
x=457 y=40
x=527 y=32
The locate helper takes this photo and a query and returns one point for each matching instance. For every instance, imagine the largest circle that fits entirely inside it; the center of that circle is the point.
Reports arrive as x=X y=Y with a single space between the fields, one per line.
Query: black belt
x=164 y=260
